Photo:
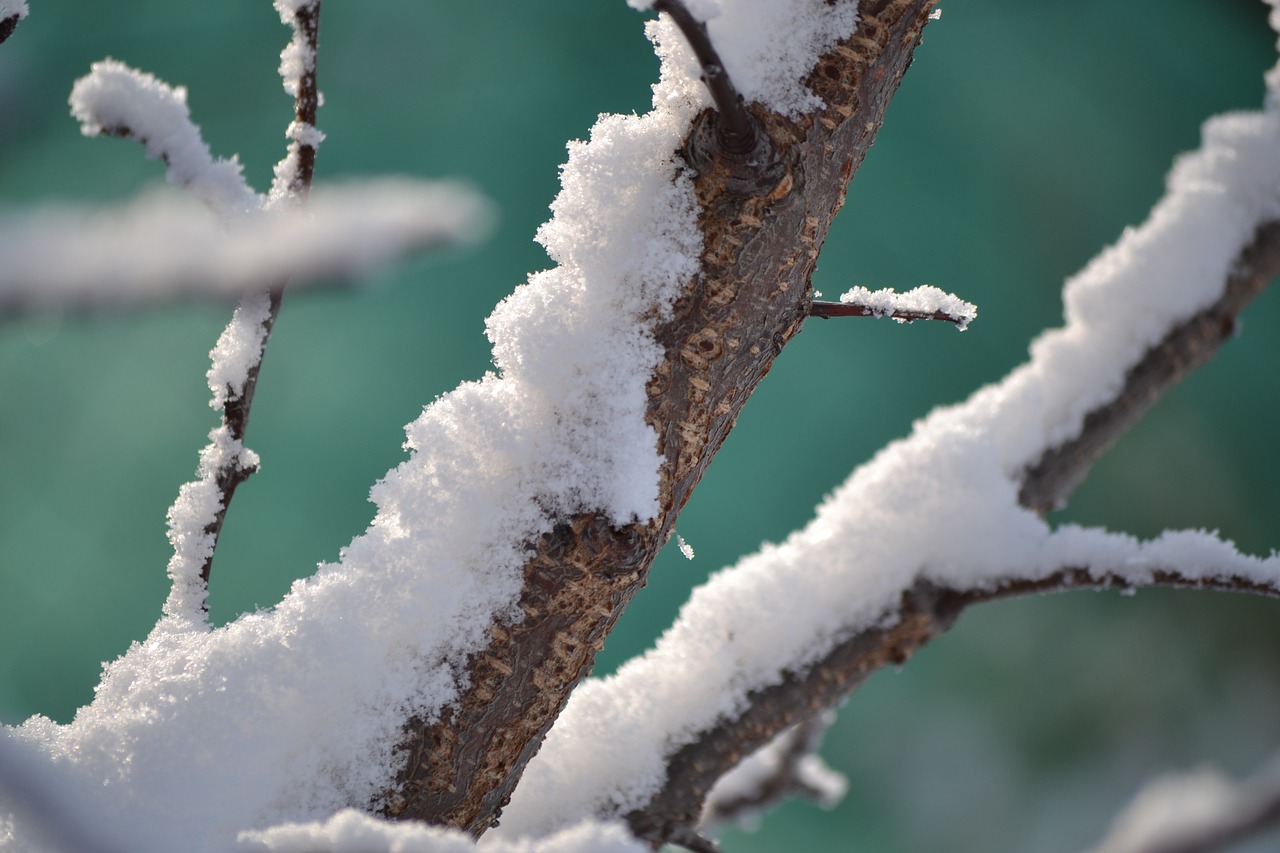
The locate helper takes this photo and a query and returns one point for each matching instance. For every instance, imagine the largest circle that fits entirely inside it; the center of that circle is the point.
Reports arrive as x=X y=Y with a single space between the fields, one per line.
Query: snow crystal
x=685 y=548
x=940 y=505
x=115 y=99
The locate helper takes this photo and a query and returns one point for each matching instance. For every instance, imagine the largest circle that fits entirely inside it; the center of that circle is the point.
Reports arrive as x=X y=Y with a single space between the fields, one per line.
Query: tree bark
x=763 y=228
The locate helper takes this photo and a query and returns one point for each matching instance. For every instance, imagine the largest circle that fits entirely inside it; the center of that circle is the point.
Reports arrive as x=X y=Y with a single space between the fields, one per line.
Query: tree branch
x=926 y=610
x=762 y=234
x=297 y=170
x=1047 y=484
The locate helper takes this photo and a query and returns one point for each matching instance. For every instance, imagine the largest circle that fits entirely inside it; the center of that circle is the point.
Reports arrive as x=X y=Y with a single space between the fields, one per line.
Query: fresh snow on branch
x=940 y=505
x=920 y=303
x=163 y=246
x=116 y=100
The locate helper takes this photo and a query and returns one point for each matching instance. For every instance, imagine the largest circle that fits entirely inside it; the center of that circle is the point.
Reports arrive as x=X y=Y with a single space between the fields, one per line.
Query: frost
x=685 y=548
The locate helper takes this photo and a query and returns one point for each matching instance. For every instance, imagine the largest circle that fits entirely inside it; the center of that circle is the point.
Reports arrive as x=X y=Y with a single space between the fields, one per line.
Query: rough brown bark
x=926 y=610
x=762 y=231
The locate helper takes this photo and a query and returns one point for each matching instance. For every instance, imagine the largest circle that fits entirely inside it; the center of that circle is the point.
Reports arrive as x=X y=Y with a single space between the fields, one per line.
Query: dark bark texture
x=763 y=220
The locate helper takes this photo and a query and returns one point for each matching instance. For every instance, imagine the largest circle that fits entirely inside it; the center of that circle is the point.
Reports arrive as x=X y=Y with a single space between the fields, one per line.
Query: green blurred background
x=1025 y=137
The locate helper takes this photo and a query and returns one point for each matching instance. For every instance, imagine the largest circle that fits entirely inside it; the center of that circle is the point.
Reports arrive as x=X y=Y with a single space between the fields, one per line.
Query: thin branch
x=7 y=26
x=738 y=131
x=298 y=169
x=825 y=310
x=789 y=775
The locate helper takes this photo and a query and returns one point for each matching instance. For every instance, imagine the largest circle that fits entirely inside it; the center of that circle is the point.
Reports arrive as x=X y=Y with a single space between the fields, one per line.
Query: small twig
x=826 y=310
x=925 y=302
x=786 y=779
x=738 y=134
x=235 y=415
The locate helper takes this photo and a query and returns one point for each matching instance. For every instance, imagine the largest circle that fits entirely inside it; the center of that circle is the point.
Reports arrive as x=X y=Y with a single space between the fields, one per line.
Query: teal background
x=1025 y=137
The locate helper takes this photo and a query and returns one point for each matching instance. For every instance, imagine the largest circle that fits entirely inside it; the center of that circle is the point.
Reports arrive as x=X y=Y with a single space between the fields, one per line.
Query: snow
x=685 y=548
x=13 y=8
x=919 y=301
x=350 y=831
x=313 y=693
x=939 y=505
x=162 y=245
x=118 y=100
x=767 y=46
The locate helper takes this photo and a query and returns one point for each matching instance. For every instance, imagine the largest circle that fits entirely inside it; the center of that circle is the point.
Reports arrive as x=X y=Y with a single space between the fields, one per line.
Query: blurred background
x=1024 y=138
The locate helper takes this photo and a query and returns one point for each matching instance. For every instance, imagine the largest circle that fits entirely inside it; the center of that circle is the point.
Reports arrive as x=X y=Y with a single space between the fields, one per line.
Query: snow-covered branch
x=933 y=523
x=196 y=517
x=920 y=303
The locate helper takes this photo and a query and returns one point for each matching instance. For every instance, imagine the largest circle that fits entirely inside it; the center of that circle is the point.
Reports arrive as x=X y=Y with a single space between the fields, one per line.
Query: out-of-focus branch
x=787 y=767
x=161 y=247
x=1199 y=812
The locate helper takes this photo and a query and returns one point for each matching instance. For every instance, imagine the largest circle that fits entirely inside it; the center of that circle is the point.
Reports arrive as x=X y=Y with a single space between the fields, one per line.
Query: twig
x=824 y=310
x=738 y=131
x=792 y=749
x=297 y=169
